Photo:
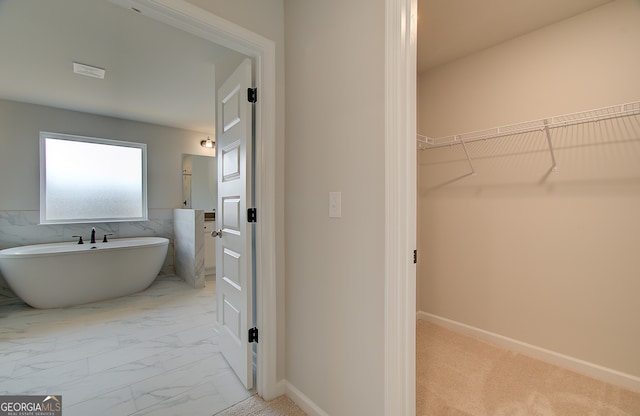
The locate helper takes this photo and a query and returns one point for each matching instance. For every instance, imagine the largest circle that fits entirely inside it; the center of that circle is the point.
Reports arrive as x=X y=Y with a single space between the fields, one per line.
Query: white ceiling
x=159 y=74
x=154 y=73
x=451 y=29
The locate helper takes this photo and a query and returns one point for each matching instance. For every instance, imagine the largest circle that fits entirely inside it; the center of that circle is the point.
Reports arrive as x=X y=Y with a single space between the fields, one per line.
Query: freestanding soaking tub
x=65 y=274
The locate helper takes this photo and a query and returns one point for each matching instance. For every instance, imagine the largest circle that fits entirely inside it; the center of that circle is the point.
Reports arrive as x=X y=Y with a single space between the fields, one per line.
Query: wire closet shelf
x=544 y=124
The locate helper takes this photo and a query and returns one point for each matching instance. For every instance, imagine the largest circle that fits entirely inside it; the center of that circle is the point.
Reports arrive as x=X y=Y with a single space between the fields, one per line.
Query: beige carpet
x=457 y=375
x=254 y=406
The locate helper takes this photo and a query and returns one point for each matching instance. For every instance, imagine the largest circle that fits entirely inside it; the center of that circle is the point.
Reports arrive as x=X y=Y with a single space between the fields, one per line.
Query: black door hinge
x=252 y=95
x=252 y=215
x=415 y=256
x=253 y=335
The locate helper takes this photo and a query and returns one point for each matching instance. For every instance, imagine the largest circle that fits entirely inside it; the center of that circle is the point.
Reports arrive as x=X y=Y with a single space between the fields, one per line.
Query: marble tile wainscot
x=189 y=246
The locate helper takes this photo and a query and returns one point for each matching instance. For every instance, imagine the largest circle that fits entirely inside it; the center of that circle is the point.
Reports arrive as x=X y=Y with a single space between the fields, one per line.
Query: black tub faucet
x=93 y=235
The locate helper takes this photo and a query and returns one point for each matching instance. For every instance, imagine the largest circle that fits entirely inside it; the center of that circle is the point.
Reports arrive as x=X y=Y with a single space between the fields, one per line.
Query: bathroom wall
x=546 y=258
x=20 y=124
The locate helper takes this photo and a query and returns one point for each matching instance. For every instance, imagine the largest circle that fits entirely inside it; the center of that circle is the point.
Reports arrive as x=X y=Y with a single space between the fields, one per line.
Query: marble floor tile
x=153 y=390
x=151 y=353
x=205 y=399
x=117 y=402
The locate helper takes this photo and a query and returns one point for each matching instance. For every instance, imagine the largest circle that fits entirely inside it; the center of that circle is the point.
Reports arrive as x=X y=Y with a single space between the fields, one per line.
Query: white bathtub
x=65 y=274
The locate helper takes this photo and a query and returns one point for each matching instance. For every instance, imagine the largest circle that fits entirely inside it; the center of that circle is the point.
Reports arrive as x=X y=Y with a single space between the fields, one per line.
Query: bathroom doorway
x=56 y=86
x=262 y=52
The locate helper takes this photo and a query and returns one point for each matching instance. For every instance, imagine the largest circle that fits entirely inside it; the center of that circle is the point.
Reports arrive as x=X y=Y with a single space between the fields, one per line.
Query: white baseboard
x=303 y=402
x=599 y=372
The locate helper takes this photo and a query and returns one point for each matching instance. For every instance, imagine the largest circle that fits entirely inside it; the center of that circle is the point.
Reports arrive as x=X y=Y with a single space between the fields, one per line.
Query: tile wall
x=189 y=246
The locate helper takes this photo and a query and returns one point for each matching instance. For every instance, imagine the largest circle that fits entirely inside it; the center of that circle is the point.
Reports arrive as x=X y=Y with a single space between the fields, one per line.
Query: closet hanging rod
x=604 y=113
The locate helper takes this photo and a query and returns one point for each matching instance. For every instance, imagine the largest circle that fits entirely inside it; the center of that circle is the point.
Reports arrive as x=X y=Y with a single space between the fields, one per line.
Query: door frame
x=401 y=19
x=400 y=186
x=192 y=19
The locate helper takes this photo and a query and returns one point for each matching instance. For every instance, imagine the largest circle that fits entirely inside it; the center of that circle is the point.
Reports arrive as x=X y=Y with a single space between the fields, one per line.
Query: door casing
x=400 y=178
x=191 y=19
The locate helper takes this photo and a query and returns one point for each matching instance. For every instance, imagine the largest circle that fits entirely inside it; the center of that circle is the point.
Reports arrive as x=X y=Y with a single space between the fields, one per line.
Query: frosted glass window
x=86 y=179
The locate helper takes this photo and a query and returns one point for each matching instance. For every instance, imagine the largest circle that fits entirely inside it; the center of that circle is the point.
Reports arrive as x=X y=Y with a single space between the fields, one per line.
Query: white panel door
x=234 y=265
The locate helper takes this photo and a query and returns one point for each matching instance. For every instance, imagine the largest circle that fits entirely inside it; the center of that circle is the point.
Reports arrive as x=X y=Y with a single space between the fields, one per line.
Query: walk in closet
x=529 y=192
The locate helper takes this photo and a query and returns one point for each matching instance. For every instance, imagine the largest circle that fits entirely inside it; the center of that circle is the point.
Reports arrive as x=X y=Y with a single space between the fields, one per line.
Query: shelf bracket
x=554 y=166
x=464 y=146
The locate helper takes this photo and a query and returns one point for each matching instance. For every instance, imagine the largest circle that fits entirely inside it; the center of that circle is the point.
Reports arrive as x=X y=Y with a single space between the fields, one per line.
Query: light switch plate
x=335 y=204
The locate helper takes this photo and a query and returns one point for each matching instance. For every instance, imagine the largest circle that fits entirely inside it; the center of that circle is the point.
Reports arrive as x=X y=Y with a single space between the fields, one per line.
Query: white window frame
x=99 y=164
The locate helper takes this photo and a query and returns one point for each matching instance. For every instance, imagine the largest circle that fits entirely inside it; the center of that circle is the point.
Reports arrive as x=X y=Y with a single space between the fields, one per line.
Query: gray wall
x=335 y=142
x=20 y=124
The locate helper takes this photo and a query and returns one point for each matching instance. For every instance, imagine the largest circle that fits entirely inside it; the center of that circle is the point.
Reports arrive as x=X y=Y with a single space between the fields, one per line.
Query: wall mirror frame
x=199 y=182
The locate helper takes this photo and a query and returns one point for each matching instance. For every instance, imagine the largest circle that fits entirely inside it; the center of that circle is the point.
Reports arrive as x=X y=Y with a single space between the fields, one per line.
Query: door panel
x=234 y=249
x=231 y=162
x=231 y=213
x=231 y=273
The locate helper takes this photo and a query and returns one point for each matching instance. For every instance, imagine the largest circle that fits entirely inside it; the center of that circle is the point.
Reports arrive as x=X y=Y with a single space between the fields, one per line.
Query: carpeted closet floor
x=457 y=375
x=255 y=406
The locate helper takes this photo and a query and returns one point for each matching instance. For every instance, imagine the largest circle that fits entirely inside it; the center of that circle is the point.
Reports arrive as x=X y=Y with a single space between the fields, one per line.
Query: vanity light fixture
x=207 y=143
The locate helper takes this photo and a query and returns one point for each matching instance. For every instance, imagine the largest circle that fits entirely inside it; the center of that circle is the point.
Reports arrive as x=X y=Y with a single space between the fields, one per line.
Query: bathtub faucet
x=93 y=235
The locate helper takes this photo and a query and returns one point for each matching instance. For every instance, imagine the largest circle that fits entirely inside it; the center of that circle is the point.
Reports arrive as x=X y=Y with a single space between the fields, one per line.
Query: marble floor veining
x=151 y=353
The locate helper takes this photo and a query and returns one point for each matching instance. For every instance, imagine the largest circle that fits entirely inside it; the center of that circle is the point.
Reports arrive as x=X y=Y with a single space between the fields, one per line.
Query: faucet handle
x=80 y=240
x=104 y=239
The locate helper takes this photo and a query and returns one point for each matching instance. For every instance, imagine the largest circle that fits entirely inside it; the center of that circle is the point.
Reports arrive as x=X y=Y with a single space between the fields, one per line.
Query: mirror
x=199 y=182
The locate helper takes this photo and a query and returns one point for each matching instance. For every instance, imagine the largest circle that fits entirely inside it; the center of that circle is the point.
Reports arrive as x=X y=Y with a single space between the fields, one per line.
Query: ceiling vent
x=90 y=71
